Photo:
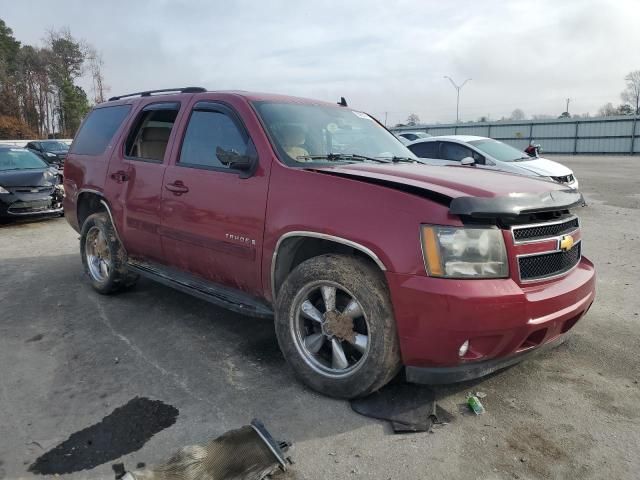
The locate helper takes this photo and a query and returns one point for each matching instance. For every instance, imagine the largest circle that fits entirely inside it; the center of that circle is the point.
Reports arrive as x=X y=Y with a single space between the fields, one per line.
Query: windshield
x=319 y=133
x=55 y=146
x=498 y=150
x=19 y=159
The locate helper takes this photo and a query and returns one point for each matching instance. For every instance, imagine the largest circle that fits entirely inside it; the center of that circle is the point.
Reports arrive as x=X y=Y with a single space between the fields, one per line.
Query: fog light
x=462 y=351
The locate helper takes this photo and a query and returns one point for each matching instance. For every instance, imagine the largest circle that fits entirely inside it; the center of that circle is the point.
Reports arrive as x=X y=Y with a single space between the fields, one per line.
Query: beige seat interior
x=153 y=142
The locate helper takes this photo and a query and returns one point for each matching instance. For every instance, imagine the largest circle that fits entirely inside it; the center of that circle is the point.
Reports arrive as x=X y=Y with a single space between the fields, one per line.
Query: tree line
x=39 y=95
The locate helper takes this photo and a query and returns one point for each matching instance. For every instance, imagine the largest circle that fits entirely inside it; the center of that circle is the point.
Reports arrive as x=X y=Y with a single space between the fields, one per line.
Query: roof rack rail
x=148 y=93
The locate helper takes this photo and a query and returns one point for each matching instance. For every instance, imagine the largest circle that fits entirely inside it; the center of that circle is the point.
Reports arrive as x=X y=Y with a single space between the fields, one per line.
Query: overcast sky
x=383 y=56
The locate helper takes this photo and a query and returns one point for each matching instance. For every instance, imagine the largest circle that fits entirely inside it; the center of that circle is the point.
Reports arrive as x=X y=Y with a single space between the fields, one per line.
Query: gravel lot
x=69 y=357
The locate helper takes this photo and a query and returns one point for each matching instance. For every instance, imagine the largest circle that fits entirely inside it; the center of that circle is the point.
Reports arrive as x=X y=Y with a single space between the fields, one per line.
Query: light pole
x=458 y=88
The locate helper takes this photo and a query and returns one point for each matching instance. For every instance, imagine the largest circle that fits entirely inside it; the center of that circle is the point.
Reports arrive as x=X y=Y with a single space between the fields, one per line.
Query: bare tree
x=607 y=110
x=631 y=94
x=413 y=119
x=94 y=58
x=517 y=114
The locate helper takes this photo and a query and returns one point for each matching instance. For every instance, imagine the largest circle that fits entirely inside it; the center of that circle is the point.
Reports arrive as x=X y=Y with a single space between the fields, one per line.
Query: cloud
x=383 y=56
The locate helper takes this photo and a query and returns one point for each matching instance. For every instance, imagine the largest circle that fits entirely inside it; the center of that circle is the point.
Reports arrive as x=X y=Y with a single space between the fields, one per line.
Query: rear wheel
x=335 y=326
x=103 y=257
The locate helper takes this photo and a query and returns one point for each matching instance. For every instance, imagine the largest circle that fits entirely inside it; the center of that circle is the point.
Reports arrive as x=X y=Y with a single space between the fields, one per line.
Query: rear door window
x=425 y=149
x=212 y=137
x=454 y=151
x=149 y=136
x=98 y=130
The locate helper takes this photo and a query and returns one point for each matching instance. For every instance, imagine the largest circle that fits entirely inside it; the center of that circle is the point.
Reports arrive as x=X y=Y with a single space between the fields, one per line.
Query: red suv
x=315 y=215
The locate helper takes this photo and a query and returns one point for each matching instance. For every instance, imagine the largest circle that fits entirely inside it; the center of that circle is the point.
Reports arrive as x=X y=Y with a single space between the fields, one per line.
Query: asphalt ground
x=70 y=357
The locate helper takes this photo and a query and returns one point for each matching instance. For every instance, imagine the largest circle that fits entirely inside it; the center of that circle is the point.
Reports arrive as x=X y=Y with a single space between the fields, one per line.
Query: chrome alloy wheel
x=330 y=329
x=98 y=254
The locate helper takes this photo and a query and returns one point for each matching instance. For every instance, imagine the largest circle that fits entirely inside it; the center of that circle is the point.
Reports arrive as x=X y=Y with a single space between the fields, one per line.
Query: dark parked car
x=28 y=185
x=316 y=216
x=51 y=151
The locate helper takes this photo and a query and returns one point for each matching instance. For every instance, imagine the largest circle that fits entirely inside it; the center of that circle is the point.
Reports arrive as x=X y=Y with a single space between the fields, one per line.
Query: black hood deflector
x=516 y=204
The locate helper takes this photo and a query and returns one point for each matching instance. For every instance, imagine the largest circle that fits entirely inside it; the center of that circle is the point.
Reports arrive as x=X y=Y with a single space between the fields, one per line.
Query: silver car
x=488 y=153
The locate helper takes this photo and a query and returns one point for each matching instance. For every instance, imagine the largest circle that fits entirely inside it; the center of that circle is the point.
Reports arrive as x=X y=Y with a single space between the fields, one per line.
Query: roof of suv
x=249 y=96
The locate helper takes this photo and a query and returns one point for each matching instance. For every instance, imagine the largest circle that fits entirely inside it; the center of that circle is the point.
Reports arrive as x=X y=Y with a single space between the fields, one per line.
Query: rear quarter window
x=98 y=130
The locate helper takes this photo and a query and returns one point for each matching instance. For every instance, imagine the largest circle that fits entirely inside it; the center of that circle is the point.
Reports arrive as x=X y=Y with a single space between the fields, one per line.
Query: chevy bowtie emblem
x=566 y=243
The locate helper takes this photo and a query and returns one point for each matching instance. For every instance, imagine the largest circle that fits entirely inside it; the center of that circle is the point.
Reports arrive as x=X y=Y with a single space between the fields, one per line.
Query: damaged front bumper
x=471 y=371
x=454 y=330
x=21 y=204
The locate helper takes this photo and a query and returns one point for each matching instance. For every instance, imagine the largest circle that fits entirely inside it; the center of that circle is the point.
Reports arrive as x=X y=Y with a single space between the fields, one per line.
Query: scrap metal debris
x=408 y=407
x=248 y=453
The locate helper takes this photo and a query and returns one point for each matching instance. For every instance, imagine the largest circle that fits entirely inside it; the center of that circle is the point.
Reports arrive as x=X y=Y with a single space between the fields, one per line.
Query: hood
x=41 y=177
x=544 y=167
x=466 y=190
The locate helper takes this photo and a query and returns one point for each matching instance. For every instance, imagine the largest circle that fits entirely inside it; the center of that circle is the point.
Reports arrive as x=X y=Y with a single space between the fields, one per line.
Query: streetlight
x=458 y=88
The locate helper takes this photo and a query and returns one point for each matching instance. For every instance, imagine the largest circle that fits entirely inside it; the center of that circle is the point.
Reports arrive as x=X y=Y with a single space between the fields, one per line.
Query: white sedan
x=488 y=153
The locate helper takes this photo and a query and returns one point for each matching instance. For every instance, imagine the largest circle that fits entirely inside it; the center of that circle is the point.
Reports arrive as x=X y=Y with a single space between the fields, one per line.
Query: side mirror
x=246 y=163
x=467 y=161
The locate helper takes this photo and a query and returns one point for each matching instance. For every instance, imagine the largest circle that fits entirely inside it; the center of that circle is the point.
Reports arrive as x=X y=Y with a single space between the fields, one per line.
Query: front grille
x=536 y=267
x=545 y=230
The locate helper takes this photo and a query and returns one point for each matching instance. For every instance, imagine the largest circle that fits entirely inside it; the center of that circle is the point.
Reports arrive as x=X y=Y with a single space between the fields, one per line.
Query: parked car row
x=29 y=187
x=51 y=151
x=368 y=259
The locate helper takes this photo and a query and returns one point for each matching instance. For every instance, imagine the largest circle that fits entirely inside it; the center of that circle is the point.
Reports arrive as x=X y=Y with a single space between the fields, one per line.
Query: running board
x=226 y=297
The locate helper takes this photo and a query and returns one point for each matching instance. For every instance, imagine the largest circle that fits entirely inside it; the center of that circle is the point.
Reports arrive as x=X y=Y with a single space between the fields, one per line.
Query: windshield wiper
x=395 y=159
x=342 y=156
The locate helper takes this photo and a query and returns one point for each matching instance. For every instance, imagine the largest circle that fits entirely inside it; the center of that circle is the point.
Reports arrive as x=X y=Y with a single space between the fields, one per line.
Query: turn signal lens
x=431 y=251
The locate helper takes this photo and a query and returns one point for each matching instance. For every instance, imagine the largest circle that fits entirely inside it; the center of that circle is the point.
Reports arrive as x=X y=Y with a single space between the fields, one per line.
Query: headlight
x=460 y=252
x=4 y=190
x=49 y=154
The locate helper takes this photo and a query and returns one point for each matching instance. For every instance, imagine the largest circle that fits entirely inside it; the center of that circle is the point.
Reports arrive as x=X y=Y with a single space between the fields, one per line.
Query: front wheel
x=335 y=326
x=103 y=257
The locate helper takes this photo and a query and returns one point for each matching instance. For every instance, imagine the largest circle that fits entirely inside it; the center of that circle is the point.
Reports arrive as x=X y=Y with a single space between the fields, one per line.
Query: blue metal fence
x=617 y=135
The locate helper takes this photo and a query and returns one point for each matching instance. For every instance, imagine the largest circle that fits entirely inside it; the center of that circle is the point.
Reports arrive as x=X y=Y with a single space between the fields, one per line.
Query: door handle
x=178 y=188
x=120 y=176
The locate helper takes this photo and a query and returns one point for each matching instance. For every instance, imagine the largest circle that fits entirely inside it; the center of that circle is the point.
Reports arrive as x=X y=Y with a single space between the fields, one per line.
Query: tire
x=103 y=257
x=307 y=338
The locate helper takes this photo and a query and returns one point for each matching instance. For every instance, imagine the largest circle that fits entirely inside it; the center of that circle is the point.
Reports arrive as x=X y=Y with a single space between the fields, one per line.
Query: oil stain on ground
x=123 y=431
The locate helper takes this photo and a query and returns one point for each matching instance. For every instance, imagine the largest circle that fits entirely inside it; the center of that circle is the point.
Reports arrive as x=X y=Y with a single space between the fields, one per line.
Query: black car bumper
x=19 y=204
